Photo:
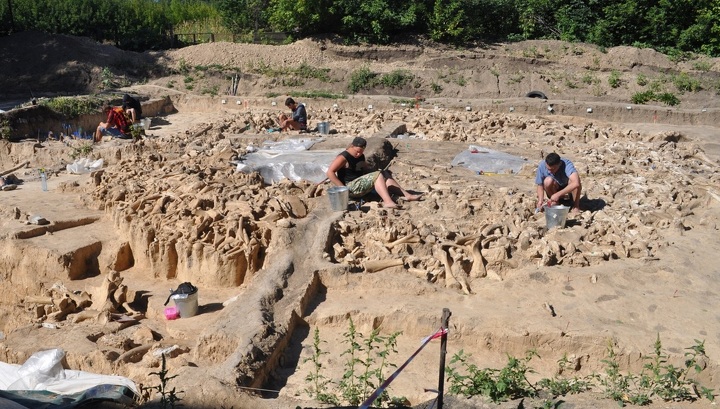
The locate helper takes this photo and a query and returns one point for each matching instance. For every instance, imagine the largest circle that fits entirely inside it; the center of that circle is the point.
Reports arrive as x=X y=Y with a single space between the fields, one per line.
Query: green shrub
x=396 y=79
x=643 y=97
x=642 y=80
x=668 y=99
x=497 y=384
x=702 y=65
x=436 y=88
x=362 y=78
x=307 y=71
x=614 y=79
x=5 y=129
x=685 y=83
x=71 y=107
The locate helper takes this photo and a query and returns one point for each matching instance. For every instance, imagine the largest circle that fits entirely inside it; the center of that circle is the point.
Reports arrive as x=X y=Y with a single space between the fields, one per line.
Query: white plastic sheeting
x=479 y=159
x=84 y=165
x=289 y=159
x=43 y=371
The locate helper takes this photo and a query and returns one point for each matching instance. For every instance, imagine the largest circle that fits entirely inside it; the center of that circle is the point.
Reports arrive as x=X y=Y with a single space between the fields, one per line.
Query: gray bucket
x=187 y=304
x=324 y=128
x=556 y=216
x=339 y=198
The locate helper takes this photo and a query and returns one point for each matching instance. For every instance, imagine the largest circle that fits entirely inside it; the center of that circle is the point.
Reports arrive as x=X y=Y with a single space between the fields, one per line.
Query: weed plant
x=614 y=79
x=366 y=359
x=684 y=83
x=499 y=385
x=71 y=107
x=659 y=380
x=81 y=151
x=319 y=384
x=5 y=129
x=396 y=78
x=644 y=97
x=169 y=398
x=314 y=94
x=361 y=79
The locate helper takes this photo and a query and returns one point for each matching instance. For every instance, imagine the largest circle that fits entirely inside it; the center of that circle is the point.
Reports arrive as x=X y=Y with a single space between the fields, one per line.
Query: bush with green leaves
x=366 y=360
x=5 y=128
x=361 y=79
x=73 y=107
x=614 y=80
x=644 y=97
x=396 y=78
x=499 y=385
x=684 y=83
x=659 y=379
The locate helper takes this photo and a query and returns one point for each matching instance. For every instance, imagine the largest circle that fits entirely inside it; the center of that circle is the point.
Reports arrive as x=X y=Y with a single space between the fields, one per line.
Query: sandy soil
x=274 y=263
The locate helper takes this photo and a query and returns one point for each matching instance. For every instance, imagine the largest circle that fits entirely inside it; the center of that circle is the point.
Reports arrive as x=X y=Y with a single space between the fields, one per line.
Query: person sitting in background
x=298 y=120
x=116 y=124
x=557 y=178
x=132 y=107
x=350 y=169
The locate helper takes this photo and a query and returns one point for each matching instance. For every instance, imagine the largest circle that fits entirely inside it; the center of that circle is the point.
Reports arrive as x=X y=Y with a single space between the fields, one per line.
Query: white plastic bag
x=84 y=165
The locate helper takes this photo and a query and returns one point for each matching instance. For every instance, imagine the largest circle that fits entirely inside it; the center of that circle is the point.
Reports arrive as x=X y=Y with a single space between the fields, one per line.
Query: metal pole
x=443 y=351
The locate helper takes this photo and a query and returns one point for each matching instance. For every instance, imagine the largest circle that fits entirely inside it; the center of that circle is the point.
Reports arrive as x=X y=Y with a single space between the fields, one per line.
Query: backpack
x=184 y=288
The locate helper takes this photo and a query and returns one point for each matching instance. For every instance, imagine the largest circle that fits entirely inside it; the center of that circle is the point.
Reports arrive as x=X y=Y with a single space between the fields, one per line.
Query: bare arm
x=540 y=196
x=338 y=163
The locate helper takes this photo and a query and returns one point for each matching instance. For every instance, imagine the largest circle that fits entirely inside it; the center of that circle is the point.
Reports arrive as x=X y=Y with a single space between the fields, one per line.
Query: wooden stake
x=445 y=321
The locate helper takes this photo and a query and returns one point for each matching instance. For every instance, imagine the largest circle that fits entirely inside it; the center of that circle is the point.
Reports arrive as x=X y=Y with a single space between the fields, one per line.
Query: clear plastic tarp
x=42 y=382
x=288 y=159
x=479 y=159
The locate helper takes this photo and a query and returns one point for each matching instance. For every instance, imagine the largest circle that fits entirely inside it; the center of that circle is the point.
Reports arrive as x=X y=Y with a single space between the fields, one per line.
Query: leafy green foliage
x=361 y=79
x=678 y=28
x=614 y=80
x=499 y=385
x=685 y=83
x=396 y=78
x=366 y=359
x=318 y=388
x=659 y=379
x=5 y=128
x=646 y=96
x=81 y=151
x=73 y=107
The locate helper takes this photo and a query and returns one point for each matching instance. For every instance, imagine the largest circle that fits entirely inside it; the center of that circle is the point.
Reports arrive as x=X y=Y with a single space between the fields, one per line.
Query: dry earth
x=274 y=263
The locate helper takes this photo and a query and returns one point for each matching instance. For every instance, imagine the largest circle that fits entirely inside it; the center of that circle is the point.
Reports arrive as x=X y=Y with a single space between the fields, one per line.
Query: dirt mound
x=43 y=64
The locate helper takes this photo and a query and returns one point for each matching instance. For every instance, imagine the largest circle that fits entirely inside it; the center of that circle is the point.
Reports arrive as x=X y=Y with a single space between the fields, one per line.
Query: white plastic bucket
x=556 y=216
x=339 y=198
x=146 y=123
x=186 y=304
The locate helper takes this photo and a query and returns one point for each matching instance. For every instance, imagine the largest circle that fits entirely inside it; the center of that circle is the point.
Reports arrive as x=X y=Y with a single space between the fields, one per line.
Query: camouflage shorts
x=363 y=185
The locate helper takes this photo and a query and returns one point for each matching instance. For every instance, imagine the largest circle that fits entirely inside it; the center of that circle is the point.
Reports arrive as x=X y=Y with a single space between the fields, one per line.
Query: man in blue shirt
x=559 y=179
x=298 y=120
